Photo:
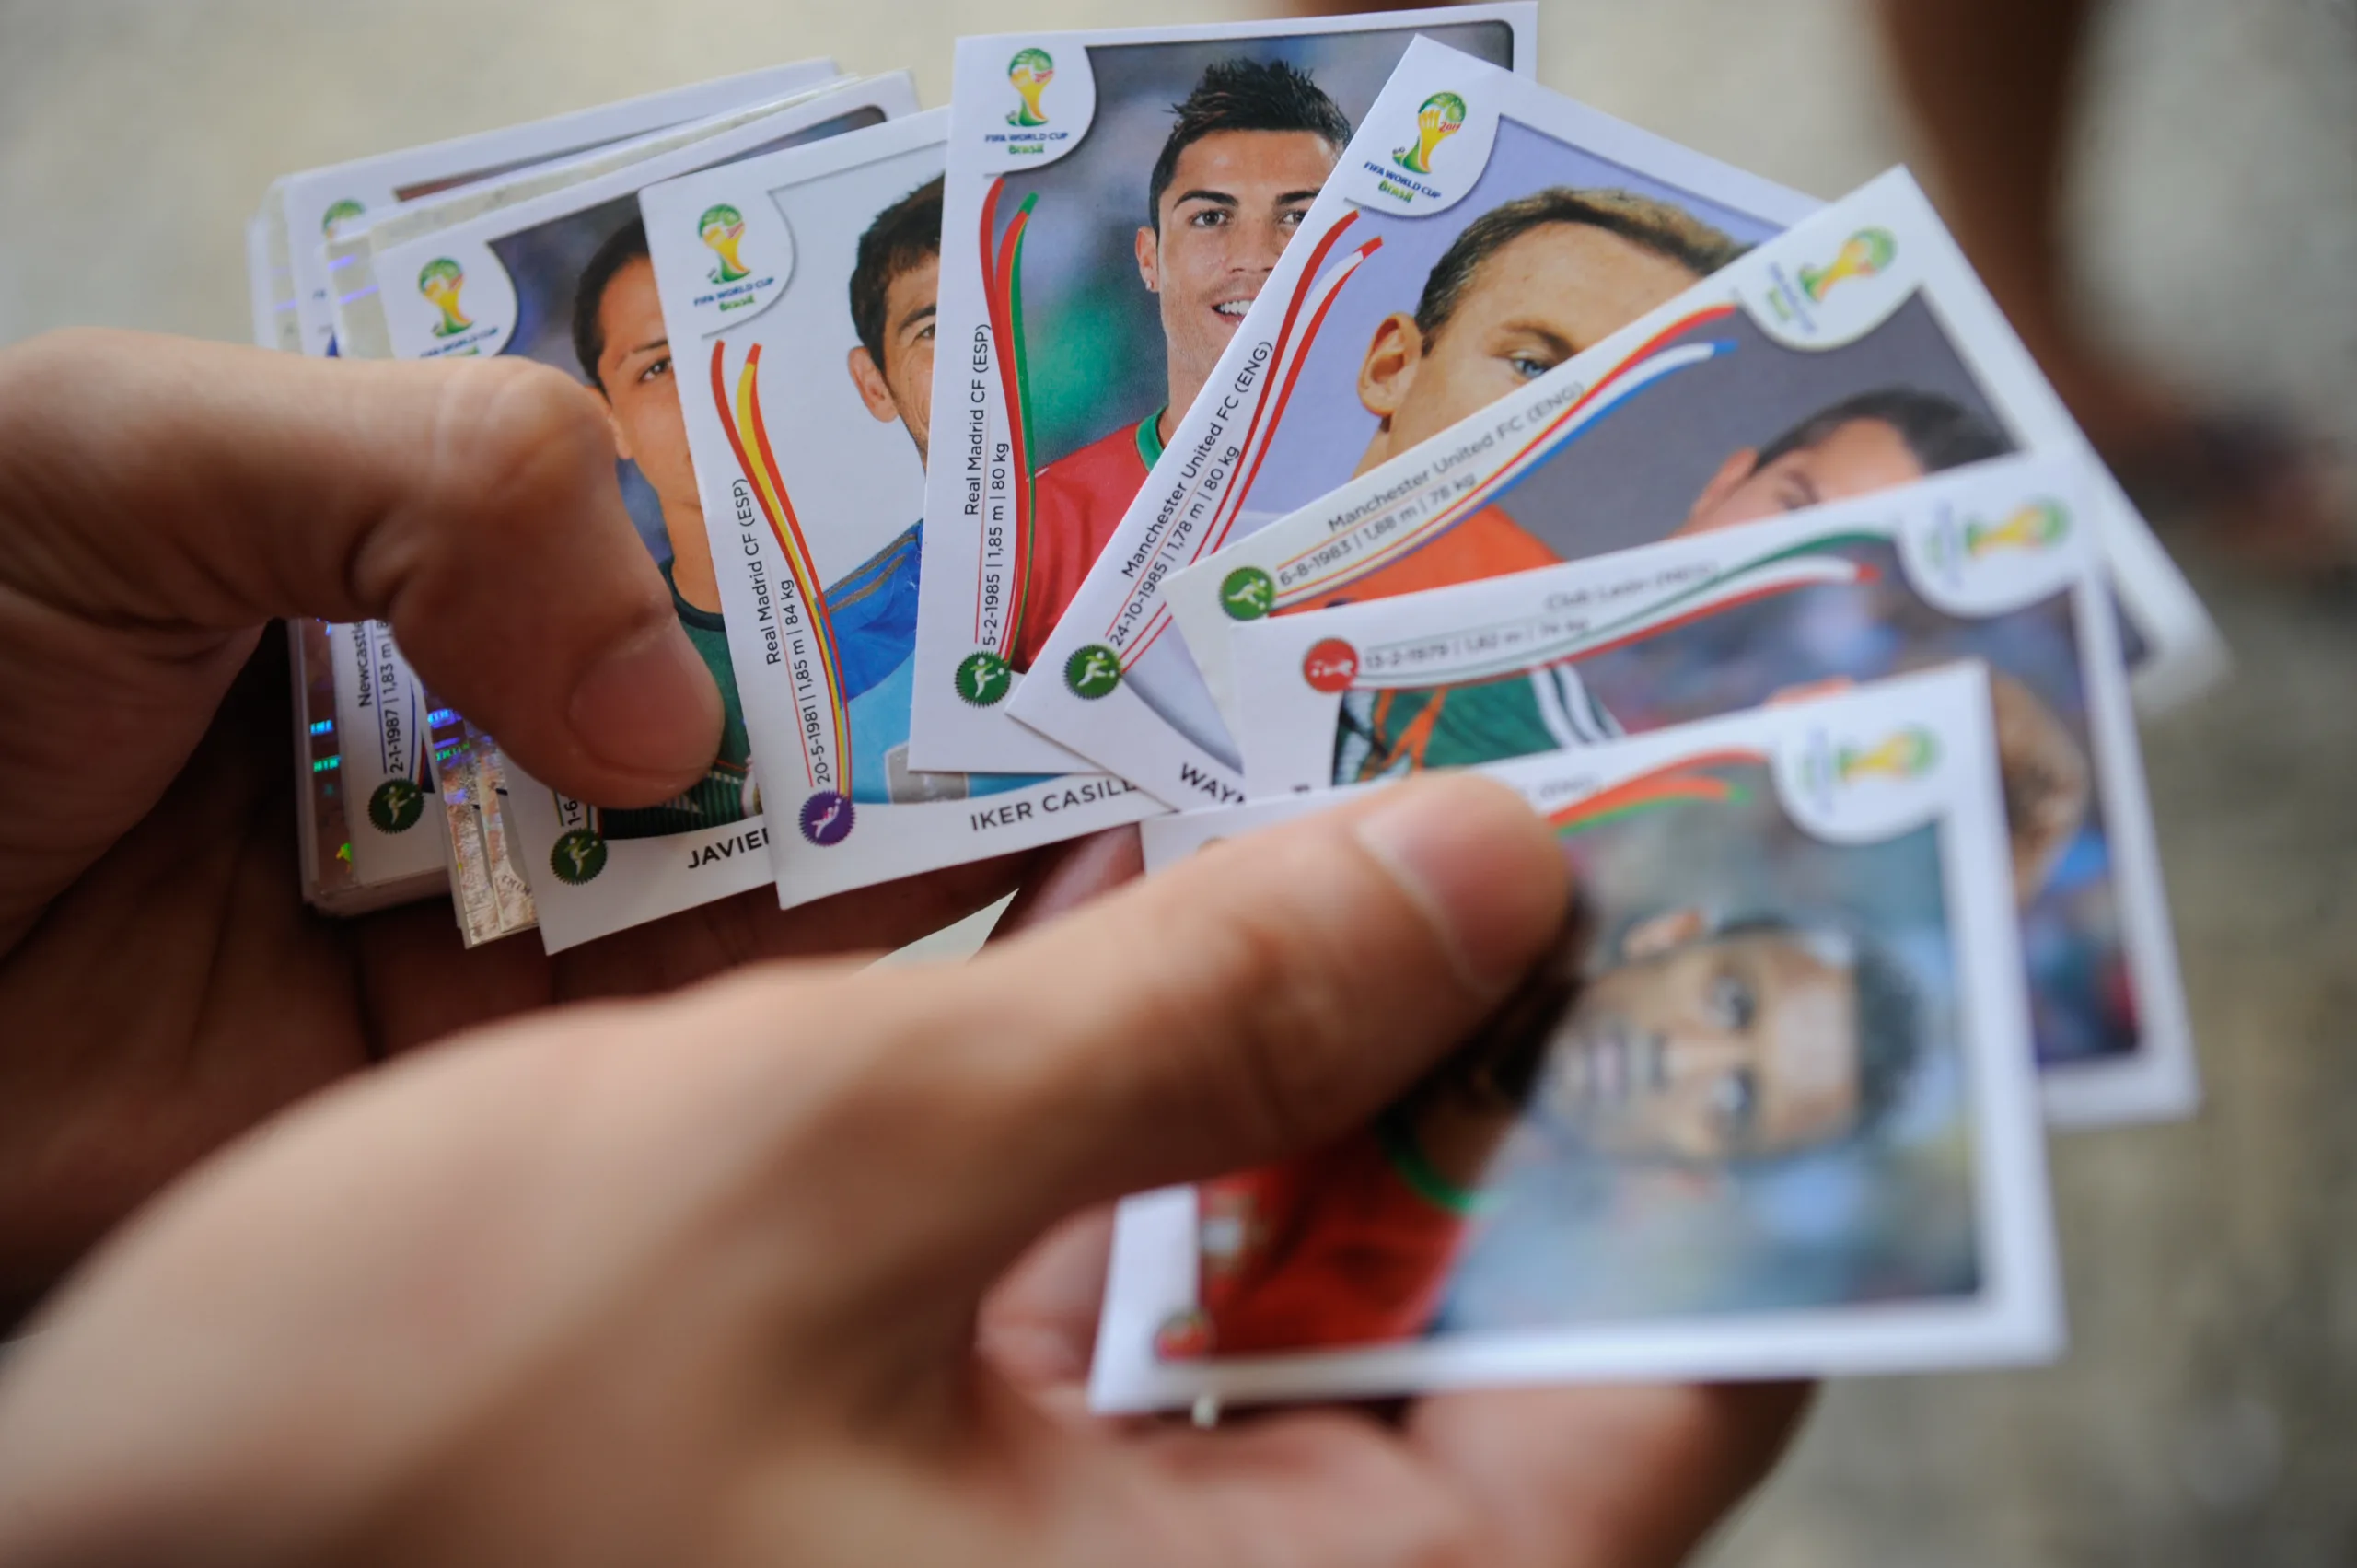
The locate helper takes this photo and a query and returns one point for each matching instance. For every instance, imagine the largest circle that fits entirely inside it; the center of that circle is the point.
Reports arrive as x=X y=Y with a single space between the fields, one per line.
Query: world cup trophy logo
x=1442 y=117
x=723 y=229
x=339 y=212
x=440 y=282
x=1029 y=72
x=2033 y=526
x=1903 y=755
x=1862 y=255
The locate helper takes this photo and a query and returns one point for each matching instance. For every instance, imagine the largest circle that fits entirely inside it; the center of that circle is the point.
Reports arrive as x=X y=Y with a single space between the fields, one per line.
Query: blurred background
x=2209 y=244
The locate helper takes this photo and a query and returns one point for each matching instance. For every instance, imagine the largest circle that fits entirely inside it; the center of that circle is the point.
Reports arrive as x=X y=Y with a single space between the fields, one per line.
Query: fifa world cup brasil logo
x=331 y=222
x=1030 y=72
x=1862 y=255
x=1442 y=117
x=2033 y=526
x=440 y=283
x=1903 y=755
x=723 y=229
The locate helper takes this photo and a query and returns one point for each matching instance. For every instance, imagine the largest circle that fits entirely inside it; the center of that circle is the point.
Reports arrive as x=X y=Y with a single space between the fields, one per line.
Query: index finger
x=160 y=484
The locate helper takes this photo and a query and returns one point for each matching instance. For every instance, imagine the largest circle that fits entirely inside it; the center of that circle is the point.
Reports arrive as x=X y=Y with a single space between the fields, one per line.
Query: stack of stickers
x=1189 y=423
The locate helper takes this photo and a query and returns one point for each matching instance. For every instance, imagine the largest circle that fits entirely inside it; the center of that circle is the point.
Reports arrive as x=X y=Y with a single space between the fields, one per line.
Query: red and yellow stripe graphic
x=741 y=418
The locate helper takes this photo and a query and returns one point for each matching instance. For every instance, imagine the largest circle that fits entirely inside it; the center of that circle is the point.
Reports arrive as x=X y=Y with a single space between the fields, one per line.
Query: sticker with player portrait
x=1765 y=1111
x=394 y=843
x=1113 y=202
x=798 y=295
x=1855 y=352
x=1997 y=562
x=566 y=279
x=1479 y=230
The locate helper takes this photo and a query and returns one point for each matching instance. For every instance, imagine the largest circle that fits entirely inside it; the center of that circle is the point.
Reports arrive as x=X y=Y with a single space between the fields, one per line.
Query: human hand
x=160 y=502
x=697 y=1281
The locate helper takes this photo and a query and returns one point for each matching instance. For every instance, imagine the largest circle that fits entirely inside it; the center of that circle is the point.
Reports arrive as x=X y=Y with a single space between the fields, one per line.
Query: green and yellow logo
x=1093 y=671
x=2034 y=527
x=1442 y=116
x=1029 y=72
x=723 y=229
x=578 y=856
x=1862 y=255
x=982 y=680
x=1247 y=593
x=440 y=282
x=339 y=212
x=1904 y=754
x=397 y=805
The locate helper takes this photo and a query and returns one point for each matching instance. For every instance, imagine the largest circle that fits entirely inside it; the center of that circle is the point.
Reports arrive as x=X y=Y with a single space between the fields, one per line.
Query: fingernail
x=1481 y=864
x=649 y=706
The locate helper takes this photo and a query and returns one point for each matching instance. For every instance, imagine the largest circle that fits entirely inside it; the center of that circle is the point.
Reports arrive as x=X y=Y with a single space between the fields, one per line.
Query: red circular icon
x=1331 y=666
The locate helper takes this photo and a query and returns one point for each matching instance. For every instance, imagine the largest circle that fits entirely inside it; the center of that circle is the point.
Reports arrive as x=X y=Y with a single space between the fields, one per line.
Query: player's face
x=645 y=400
x=1858 y=458
x=908 y=346
x=1235 y=198
x=1724 y=1048
x=902 y=388
x=1542 y=297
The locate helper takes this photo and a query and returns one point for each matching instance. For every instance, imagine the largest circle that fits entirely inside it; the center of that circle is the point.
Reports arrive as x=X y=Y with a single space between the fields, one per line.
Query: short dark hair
x=1668 y=231
x=1941 y=432
x=903 y=237
x=625 y=245
x=1245 y=95
x=1887 y=1012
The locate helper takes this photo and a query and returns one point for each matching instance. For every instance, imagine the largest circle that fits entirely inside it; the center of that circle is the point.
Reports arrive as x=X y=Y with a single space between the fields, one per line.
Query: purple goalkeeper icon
x=827 y=818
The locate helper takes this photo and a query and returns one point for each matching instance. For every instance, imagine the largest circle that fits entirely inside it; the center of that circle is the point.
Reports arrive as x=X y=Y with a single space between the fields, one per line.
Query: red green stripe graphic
x=1004 y=292
x=1687 y=782
x=1811 y=563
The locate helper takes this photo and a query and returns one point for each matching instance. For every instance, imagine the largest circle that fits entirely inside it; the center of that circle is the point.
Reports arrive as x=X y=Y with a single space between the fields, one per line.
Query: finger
x=1037 y=1325
x=1070 y=875
x=1629 y=1477
x=169 y=488
x=1248 y=1004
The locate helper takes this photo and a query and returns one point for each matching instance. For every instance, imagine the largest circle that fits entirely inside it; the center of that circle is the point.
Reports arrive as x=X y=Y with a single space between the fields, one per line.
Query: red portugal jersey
x=1076 y=503
x=1340 y=1248
x=1487 y=544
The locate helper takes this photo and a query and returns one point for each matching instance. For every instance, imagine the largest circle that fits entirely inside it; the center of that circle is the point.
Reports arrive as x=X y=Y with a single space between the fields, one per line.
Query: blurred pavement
x=2204 y=1414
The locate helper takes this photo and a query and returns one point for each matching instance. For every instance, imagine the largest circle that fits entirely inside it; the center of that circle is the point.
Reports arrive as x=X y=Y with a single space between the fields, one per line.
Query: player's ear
x=1149 y=250
x=1390 y=363
x=1662 y=933
x=1741 y=464
x=622 y=436
x=874 y=390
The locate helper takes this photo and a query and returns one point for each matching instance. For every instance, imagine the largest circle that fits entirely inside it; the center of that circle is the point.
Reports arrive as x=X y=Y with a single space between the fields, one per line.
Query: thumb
x=169 y=487
x=1263 y=997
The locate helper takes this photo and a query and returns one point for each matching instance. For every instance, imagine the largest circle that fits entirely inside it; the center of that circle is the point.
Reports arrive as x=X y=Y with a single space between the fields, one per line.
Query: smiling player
x=1709 y=1048
x=1251 y=145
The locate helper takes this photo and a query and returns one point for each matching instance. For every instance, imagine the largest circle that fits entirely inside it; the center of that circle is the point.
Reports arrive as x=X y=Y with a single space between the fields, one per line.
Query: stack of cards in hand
x=1190 y=423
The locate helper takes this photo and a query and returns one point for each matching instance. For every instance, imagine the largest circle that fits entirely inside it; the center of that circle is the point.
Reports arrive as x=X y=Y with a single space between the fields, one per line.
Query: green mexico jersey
x=1386 y=734
x=727 y=792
